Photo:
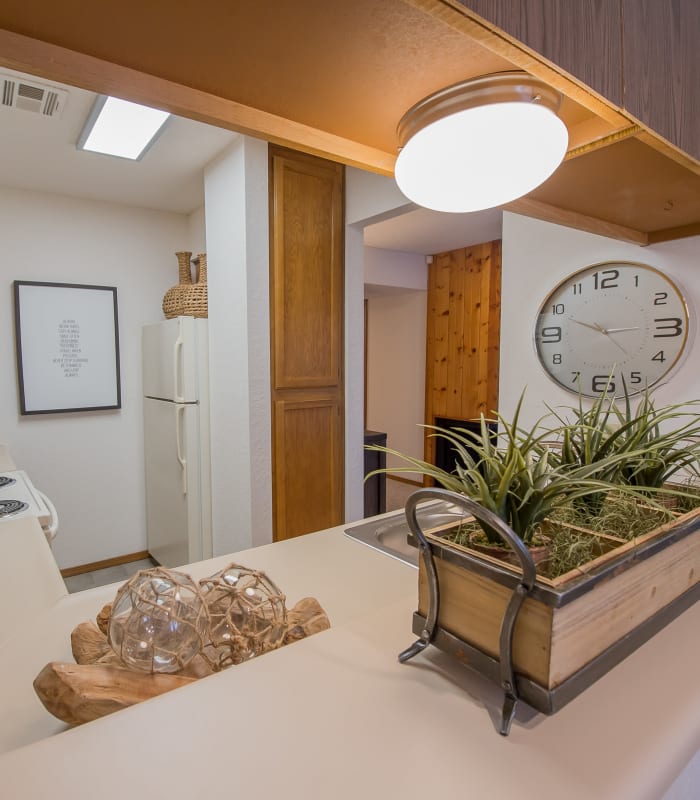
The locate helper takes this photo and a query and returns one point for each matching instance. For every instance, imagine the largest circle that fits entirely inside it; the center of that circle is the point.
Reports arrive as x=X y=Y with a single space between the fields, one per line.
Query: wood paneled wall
x=306 y=313
x=463 y=333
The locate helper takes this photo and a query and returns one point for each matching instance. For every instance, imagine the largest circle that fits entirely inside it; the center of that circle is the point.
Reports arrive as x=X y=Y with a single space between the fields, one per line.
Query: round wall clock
x=612 y=325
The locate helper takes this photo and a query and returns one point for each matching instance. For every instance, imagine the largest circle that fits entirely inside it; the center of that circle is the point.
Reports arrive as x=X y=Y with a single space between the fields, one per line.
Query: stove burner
x=10 y=507
x=6 y=480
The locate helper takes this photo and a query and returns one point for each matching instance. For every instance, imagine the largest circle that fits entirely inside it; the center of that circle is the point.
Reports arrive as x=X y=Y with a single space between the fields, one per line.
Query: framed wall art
x=67 y=342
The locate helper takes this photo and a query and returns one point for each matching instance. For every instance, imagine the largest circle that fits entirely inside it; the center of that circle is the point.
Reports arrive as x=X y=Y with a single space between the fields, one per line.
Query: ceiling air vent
x=38 y=98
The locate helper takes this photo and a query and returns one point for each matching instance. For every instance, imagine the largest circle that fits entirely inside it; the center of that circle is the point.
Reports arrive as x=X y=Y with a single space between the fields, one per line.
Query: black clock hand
x=594 y=327
x=604 y=331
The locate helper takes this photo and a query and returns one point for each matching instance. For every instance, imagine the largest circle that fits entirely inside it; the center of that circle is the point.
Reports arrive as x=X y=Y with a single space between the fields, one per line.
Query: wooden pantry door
x=306 y=319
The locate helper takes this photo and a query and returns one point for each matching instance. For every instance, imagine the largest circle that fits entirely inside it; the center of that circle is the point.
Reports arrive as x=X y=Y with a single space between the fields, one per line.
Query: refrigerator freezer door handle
x=179 y=414
x=177 y=372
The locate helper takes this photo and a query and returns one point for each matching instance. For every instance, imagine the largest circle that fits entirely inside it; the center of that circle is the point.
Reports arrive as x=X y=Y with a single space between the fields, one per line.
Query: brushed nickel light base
x=480 y=143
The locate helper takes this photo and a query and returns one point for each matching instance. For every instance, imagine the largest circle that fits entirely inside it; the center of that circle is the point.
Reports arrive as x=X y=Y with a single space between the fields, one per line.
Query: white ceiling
x=39 y=153
x=430 y=232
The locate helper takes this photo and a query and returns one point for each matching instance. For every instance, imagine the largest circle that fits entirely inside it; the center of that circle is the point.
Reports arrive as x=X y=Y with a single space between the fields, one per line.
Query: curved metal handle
x=177 y=372
x=179 y=450
x=479 y=513
x=525 y=585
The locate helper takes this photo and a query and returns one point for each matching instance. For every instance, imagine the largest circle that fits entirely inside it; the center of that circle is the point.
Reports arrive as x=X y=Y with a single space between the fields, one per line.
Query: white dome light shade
x=497 y=149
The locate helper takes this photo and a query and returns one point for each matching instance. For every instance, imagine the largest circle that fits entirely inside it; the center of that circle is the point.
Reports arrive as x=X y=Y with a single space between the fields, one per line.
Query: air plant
x=514 y=474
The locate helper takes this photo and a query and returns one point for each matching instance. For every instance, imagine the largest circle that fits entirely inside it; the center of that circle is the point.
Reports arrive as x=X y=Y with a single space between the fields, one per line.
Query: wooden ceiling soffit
x=669 y=150
x=473 y=49
x=668 y=234
x=571 y=197
x=626 y=187
x=56 y=63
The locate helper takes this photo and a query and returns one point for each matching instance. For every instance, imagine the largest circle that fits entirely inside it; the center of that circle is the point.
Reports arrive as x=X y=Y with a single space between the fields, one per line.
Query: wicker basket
x=194 y=297
x=172 y=301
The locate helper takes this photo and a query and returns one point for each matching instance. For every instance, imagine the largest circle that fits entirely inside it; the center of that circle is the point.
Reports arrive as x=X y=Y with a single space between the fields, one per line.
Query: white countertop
x=336 y=716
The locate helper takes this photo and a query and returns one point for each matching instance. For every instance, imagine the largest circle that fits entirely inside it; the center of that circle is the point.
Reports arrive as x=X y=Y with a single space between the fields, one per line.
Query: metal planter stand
x=522 y=589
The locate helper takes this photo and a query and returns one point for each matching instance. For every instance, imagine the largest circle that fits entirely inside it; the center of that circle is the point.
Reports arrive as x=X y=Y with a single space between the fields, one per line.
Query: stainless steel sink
x=388 y=534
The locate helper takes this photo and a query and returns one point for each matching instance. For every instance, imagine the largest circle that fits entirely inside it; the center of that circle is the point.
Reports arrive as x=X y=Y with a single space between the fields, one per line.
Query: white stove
x=20 y=498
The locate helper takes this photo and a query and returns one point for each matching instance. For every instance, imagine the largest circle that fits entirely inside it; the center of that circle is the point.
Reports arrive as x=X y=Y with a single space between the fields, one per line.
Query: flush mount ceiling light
x=480 y=143
x=120 y=128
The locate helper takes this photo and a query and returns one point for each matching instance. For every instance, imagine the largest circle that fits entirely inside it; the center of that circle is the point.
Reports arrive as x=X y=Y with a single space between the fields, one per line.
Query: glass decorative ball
x=247 y=615
x=158 y=621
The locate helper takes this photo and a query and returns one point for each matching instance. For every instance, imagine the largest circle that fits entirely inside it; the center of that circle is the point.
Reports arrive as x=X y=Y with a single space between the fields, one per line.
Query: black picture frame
x=67 y=347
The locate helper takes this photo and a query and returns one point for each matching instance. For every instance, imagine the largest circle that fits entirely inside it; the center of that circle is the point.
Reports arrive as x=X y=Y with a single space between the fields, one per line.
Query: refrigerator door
x=174 y=516
x=174 y=353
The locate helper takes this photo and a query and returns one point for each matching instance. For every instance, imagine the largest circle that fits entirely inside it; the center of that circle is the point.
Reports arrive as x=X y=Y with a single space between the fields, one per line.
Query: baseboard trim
x=69 y=572
x=404 y=480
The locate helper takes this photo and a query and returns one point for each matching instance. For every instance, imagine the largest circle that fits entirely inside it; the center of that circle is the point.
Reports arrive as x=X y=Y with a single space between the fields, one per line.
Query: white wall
x=536 y=256
x=396 y=370
x=196 y=222
x=89 y=463
x=368 y=198
x=237 y=236
x=392 y=268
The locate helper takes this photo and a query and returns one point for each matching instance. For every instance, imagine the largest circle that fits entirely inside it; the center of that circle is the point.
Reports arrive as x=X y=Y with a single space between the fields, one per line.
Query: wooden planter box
x=570 y=630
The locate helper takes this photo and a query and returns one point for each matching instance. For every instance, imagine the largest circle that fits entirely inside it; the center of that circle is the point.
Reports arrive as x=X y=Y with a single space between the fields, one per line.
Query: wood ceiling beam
x=573 y=219
x=668 y=234
x=52 y=62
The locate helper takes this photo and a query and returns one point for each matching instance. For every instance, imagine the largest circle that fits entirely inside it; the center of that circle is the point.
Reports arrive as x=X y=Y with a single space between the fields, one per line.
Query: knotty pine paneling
x=463 y=334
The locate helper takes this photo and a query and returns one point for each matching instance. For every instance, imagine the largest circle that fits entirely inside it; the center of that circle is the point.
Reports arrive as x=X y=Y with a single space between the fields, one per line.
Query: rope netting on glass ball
x=161 y=619
x=247 y=615
x=158 y=621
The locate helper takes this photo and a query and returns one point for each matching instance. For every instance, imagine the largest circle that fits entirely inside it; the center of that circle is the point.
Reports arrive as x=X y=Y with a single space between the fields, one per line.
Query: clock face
x=610 y=323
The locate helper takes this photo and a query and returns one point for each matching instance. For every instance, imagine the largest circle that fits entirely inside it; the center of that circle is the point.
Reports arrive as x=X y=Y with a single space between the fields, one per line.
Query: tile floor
x=101 y=577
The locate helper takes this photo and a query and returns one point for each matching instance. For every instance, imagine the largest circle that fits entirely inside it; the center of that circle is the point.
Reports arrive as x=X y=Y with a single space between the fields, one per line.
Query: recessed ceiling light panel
x=121 y=128
x=480 y=143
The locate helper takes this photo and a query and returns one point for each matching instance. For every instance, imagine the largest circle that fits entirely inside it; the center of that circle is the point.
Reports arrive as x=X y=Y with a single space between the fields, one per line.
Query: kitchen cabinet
x=306 y=330
x=662 y=68
x=582 y=38
x=641 y=55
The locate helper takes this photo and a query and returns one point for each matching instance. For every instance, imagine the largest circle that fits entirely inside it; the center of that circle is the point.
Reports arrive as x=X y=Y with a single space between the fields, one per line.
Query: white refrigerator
x=176 y=440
